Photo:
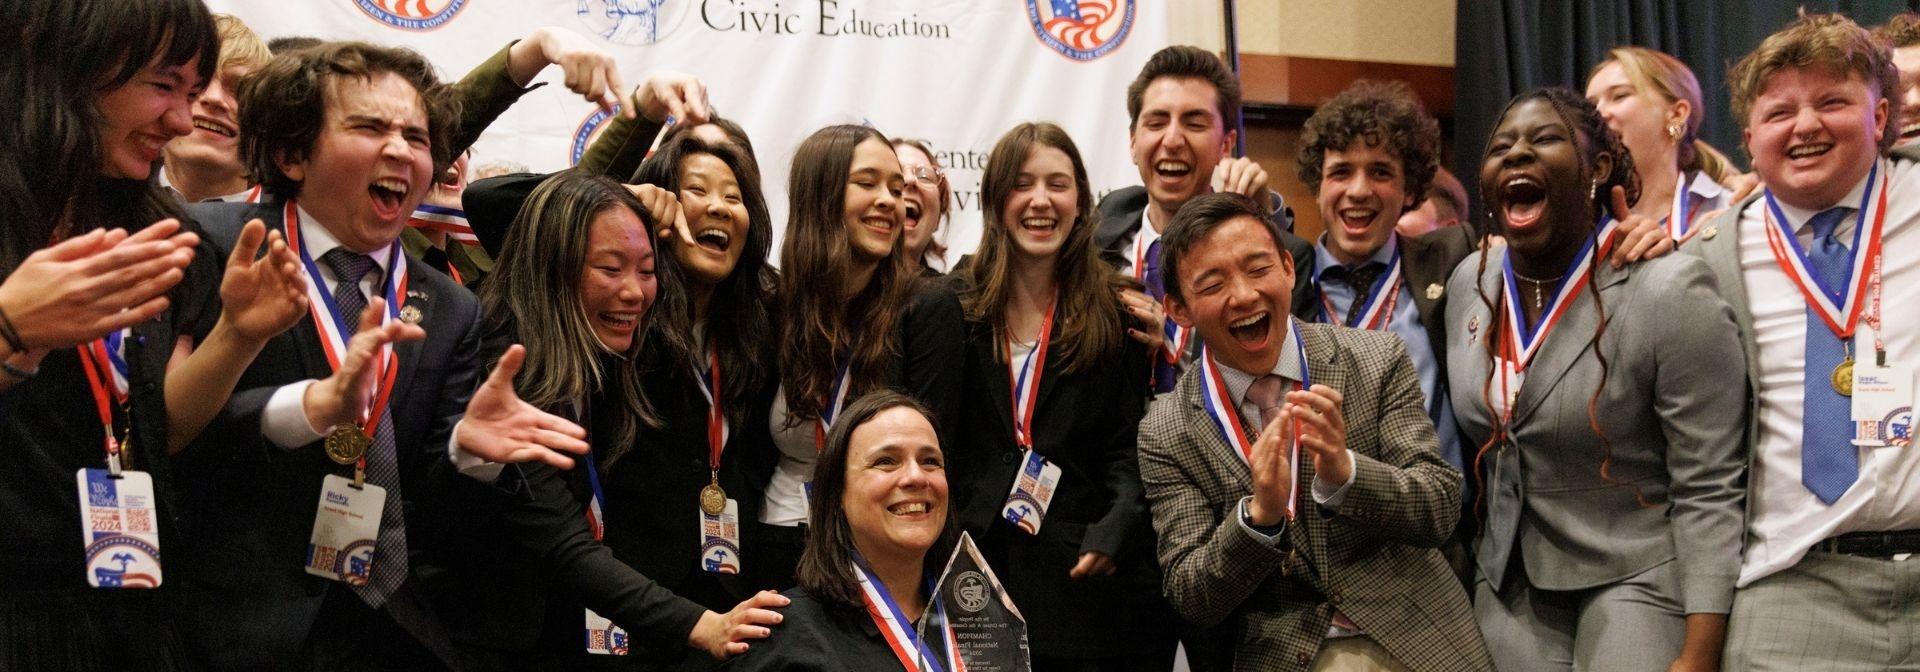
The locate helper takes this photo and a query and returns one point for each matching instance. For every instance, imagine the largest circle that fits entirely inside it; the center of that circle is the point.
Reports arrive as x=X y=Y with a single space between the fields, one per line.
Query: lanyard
x=1378 y=311
x=106 y=367
x=1839 y=307
x=1520 y=340
x=1026 y=389
x=332 y=326
x=717 y=428
x=830 y=406
x=893 y=626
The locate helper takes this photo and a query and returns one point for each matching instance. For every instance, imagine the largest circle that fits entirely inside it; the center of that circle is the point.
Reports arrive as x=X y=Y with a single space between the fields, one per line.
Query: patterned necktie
x=1360 y=280
x=1829 y=464
x=1265 y=395
x=1164 y=373
x=383 y=469
x=1155 y=281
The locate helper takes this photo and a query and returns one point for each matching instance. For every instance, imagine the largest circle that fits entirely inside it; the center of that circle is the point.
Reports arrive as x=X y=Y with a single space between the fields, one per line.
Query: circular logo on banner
x=1082 y=30
x=584 y=134
x=632 y=22
x=971 y=590
x=414 y=15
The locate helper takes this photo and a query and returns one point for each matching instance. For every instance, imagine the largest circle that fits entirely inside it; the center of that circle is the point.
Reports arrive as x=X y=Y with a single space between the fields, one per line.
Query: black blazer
x=524 y=538
x=1124 y=211
x=1086 y=423
x=248 y=505
x=932 y=353
x=818 y=635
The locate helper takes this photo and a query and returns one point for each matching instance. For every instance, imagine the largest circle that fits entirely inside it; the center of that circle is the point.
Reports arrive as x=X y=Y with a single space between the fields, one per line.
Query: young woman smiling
x=1652 y=101
x=854 y=317
x=1054 y=388
x=1609 y=447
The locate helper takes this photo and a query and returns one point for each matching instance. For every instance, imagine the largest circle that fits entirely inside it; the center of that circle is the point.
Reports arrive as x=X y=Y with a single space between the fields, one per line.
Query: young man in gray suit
x=1823 y=272
x=1344 y=575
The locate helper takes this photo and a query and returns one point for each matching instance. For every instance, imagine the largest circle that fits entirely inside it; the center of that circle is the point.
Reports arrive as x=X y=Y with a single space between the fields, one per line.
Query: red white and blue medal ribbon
x=332 y=326
x=1520 y=340
x=830 y=407
x=1217 y=401
x=451 y=221
x=1378 y=311
x=1026 y=380
x=908 y=648
x=1840 y=309
x=1680 y=218
x=253 y=195
x=717 y=429
x=1177 y=338
x=104 y=361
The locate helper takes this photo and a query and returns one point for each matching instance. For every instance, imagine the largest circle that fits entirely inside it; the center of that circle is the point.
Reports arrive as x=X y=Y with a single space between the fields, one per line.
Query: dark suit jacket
x=1085 y=422
x=1374 y=558
x=817 y=635
x=1124 y=210
x=249 y=505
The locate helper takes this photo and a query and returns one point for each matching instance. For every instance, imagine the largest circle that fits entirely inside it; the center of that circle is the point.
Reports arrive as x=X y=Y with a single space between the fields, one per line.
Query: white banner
x=956 y=73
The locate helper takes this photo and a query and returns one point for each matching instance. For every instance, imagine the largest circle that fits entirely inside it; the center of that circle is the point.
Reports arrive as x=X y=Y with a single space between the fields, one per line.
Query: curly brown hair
x=1900 y=31
x=283 y=106
x=1827 y=42
x=1378 y=114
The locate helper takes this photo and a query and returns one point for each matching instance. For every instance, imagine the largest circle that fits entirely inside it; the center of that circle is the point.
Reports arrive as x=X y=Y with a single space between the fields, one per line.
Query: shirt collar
x=1324 y=258
x=1288 y=366
x=1803 y=219
x=318 y=241
x=1705 y=187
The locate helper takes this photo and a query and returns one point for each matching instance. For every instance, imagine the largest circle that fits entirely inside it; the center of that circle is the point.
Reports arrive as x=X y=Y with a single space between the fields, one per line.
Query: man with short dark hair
x=1822 y=268
x=1293 y=474
x=1184 y=116
x=346 y=137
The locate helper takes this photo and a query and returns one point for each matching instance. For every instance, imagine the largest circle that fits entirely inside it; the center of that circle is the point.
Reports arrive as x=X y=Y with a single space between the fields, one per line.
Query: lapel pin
x=1434 y=290
x=416 y=294
x=410 y=314
x=1473 y=329
x=1710 y=233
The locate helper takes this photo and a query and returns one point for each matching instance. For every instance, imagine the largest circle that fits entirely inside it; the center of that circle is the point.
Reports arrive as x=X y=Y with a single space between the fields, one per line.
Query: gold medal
x=713 y=500
x=1843 y=377
x=346 y=443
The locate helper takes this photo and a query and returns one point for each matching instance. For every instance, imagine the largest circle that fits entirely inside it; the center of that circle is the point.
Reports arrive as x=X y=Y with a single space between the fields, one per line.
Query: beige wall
x=1393 y=31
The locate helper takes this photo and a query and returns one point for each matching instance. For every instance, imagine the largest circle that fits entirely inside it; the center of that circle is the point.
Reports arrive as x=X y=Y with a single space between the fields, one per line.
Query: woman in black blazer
x=522 y=550
x=855 y=316
x=1055 y=387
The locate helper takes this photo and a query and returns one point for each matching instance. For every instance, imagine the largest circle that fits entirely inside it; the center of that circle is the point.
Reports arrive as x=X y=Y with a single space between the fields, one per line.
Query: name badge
x=1032 y=492
x=119 y=528
x=345 y=529
x=720 y=540
x=1882 y=405
x=603 y=637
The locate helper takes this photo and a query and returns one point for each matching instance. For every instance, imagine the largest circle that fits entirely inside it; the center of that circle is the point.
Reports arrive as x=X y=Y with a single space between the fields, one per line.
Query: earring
x=1673 y=129
x=1593 y=190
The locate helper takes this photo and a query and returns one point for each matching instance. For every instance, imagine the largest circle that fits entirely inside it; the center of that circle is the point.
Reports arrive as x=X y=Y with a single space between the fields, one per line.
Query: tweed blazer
x=1671 y=414
x=1374 y=558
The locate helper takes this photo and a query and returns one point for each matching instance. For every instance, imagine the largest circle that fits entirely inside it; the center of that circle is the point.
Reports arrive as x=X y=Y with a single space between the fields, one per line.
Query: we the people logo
x=1082 y=30
x=413 y=15
x=632 y=22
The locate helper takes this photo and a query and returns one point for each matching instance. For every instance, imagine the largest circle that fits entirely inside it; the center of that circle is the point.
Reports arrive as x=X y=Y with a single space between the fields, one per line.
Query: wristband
x=17 y=372
x=10 y=334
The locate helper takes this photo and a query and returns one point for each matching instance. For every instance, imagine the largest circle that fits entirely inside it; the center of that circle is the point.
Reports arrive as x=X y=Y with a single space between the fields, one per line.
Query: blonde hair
x=1659 y=74
x=239 y=45
x=1830 y=42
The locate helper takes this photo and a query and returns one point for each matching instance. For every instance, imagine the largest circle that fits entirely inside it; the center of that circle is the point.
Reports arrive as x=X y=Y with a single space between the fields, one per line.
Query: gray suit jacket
x=1374 y=558
x=1663 y=478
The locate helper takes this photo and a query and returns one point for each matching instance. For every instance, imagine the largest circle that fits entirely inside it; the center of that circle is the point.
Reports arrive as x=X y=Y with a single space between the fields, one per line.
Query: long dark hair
x=69 y=52
x=534 y=290
x=1089 y=321
x=738 y=320
x=1594 y=138
x=818 y=326
x=826 y=564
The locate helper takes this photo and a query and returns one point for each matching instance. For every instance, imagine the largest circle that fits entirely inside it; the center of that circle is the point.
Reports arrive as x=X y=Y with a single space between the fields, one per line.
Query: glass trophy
x=988 y=633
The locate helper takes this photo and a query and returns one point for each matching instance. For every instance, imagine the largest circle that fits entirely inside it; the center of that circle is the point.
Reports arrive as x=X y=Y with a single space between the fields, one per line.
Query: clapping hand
x=94 y=283
x=500 y=427
x=262 y=297
x=342 y=397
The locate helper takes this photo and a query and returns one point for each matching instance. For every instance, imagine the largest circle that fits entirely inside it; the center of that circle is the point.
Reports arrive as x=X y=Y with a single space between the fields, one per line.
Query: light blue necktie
x=1829 y=464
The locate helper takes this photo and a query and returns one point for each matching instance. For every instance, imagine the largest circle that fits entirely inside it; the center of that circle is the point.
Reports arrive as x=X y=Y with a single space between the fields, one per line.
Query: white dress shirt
x=284 y=420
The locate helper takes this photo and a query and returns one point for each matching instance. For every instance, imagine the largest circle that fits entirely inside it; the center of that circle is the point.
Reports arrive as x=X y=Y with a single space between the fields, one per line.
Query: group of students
x=323 y=404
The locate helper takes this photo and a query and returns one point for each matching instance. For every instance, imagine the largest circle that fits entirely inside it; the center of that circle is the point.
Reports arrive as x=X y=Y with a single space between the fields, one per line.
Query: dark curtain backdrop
x=1505 y=47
